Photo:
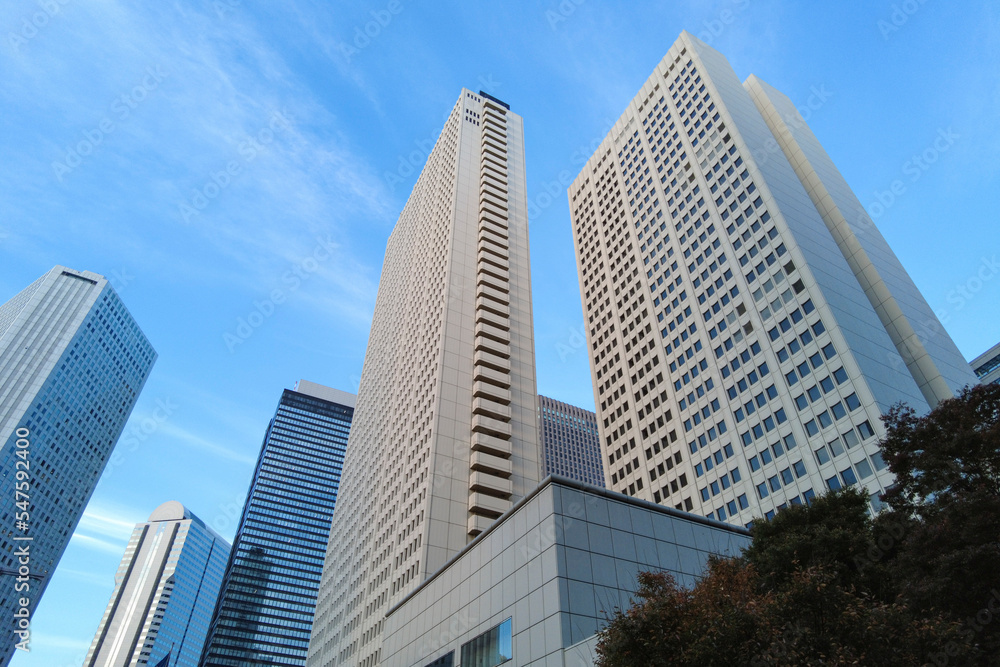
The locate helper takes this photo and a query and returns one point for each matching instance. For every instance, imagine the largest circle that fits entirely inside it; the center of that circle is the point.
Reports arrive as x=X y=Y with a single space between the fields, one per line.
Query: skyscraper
x=265 y=608
x=570 y=441
x=747 y=323
x=72 y=364
x=164 y=592
x=445 y=434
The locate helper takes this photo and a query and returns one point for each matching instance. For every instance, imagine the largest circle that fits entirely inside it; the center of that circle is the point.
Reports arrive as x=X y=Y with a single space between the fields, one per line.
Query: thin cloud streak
x=89 y=542
x=191 y=440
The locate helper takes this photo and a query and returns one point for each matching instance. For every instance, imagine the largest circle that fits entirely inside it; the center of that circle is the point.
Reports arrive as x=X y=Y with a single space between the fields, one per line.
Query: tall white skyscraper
x=445 y=436
x=72 y=364
x=165 y=589
x=747 y=324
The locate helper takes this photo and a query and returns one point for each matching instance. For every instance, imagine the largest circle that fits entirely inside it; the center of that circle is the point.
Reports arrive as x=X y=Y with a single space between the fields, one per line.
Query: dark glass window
x=493 y=647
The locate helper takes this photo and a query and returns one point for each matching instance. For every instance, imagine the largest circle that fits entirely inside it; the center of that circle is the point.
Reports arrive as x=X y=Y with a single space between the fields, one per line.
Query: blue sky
x=218 y=158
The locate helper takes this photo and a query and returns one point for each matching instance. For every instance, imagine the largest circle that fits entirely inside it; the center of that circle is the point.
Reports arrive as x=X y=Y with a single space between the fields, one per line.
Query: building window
x=493 y=647
x=447 y=660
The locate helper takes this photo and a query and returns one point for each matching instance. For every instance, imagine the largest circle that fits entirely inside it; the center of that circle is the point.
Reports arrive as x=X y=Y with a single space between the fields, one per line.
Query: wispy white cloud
x=42 y=638
x=103 y=522
x=187 y=438
x=90 y=578
x=220 y=82
x=89 y=542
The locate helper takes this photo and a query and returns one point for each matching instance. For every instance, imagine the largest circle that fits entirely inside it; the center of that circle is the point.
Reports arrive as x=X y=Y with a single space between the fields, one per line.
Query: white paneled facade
x=445 y=436
x=744 y=336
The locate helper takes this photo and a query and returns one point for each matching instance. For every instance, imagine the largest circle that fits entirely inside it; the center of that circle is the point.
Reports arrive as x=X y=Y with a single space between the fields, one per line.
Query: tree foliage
x=951 y=455
x=826 y=584
x=947 y=468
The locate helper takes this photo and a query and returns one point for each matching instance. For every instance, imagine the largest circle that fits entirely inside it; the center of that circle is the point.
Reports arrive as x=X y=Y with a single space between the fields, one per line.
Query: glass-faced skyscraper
x=72 y=364
x=570 y=441
x=747 y=324
x=165 y=589
x=445 y=437
x=265 y=608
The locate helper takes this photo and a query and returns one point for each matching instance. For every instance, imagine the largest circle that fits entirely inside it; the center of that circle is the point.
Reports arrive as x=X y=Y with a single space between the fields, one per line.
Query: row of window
x=719 y=485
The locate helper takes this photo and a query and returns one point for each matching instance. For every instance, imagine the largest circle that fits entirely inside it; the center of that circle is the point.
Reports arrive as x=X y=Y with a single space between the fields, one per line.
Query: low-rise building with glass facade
x=987 y=365
x=537 y=586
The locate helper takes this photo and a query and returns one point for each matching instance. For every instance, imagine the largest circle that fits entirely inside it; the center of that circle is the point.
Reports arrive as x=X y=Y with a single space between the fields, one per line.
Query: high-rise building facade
x=265 y=609
x=747 y=323
x=72 y=364
x=165 y=589
x=445 y=435
x=987 y=365
x=570 y=441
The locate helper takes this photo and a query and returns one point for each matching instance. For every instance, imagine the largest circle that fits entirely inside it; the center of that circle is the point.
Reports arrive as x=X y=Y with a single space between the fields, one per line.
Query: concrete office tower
x=265 y=610
x=570 y=441
x=72 y=364
x=747 y=323
x=165 y=589
x=987 y=365
x=445 y=436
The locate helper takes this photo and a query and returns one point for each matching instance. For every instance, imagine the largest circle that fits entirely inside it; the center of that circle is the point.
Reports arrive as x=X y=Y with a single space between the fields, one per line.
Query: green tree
x=826 y=584
x=804 y=593
x=947 y=468
x=721 y=617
